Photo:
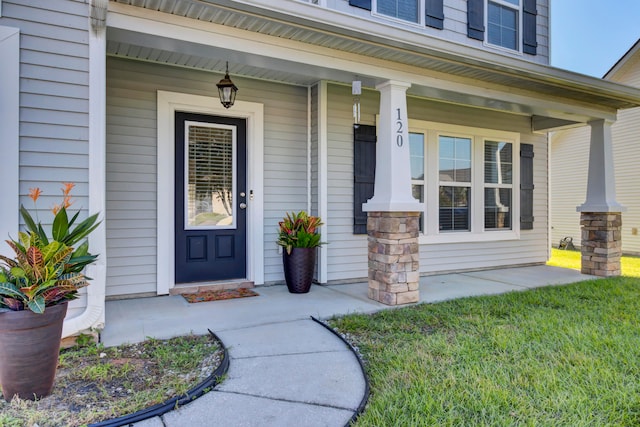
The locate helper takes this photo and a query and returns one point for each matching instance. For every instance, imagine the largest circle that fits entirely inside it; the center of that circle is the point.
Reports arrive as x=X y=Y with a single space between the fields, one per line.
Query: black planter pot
x=298 y=269
x=29 y=348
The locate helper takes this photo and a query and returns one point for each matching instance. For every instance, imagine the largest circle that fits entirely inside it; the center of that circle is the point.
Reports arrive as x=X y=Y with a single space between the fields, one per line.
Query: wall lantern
x=227 y=90
x=356 y=91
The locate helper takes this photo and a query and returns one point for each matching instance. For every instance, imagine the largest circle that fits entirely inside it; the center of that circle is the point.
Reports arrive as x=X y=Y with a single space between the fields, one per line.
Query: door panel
x=210 y=198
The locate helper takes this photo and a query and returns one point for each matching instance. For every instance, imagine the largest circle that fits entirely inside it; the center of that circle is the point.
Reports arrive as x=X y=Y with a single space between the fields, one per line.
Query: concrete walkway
x=285 y=369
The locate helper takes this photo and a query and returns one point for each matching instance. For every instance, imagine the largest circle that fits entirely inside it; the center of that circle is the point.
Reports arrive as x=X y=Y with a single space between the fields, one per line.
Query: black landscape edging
x=175 y=402
x=367 y=388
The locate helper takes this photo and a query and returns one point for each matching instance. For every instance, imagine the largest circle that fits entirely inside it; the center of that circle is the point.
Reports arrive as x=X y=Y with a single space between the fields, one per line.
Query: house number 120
x=399 y=140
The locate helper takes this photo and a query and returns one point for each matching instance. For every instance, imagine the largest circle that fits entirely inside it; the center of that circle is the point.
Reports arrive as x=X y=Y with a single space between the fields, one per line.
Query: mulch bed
x=219 y=295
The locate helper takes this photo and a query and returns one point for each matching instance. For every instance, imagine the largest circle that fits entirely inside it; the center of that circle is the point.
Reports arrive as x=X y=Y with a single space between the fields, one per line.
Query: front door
x=210 y=188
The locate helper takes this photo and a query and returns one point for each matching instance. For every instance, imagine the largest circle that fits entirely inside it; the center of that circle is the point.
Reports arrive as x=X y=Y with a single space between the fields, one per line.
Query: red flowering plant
x=299 y=230
x=47 y=270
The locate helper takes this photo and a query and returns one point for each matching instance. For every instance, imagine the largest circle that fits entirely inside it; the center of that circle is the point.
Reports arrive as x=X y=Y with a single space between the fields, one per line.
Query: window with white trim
x=498 y=185
x=405 y=10
x=503 y=23
x=416 y=148
x=466 y=179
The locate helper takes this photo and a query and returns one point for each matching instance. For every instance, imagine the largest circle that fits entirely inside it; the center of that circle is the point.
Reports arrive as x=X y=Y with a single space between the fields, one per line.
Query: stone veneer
x=394 y=276
x=601 y=244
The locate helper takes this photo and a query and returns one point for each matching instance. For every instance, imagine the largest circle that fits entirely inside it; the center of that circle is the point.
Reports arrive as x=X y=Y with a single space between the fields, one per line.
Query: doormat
x=219 y=295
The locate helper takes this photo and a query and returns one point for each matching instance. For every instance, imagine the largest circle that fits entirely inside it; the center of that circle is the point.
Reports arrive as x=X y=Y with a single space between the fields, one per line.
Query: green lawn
x=571 y=259
x=555 y=356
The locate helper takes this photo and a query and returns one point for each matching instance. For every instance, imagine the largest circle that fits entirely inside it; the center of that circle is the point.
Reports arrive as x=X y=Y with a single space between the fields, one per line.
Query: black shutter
x=362 y=4
x=475 y=19
x=435 y=14
x=526 y=187
x=364 y=172
x=529 y=43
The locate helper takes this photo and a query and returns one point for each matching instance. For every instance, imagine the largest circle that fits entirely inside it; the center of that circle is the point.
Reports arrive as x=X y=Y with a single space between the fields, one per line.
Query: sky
x=590 y=36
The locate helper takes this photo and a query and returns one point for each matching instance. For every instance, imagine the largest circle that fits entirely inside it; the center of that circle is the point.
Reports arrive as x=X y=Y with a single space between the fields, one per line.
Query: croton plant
x=299 y=230
x=47 y=269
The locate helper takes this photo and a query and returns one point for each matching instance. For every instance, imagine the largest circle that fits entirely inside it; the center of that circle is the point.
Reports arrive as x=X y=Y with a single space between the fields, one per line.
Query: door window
x=210 y=164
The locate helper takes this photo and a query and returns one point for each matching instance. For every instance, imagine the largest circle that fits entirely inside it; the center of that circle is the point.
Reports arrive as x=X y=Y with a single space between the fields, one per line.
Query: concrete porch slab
x=133 y=320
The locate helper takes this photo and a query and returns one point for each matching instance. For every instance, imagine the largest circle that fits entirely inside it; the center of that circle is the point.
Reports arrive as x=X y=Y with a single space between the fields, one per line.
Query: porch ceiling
x=307 y=23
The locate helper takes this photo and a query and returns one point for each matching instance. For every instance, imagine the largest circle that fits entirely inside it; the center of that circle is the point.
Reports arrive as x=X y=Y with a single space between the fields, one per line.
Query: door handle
x=243 y=205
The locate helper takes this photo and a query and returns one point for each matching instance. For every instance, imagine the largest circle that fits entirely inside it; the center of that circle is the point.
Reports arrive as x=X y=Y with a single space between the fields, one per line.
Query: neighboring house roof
x=632 y=52
x=438 y=58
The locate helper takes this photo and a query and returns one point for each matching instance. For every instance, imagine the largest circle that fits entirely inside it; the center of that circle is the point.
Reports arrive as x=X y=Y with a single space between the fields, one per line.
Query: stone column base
x=394 y=275
x=601 y=244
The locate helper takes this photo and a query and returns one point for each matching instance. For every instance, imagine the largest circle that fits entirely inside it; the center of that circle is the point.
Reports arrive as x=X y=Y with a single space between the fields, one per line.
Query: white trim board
x=93 y=315
x=9 y=132
x=168 y=104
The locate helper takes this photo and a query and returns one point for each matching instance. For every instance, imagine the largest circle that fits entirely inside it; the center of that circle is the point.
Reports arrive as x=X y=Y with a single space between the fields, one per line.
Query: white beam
x=601 y=185
x=392 y=192
x=323 y=176
x=9 y=133
x=93 y=315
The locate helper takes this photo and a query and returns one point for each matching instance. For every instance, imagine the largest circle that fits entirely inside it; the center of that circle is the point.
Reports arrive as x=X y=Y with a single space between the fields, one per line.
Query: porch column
x=393 y=213
x=601 y=214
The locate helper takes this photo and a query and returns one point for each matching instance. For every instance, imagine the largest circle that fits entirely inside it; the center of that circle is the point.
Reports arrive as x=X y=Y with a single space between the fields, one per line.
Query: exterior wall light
x=227 y=90
x=356 y=91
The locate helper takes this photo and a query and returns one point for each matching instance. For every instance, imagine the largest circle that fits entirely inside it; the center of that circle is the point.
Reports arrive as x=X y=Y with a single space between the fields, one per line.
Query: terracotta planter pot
x=29 y=348
x=298 y=269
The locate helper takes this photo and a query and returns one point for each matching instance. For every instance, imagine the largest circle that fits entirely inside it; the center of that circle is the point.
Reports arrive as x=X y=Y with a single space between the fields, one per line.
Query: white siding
x=54 y=99
x=568 y=166
x=570 y=161
x=348 y=252
x=455 y=26
x=131 y=163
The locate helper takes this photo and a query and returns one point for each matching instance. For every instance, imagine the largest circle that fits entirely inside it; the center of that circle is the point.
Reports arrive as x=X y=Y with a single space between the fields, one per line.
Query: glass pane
x=416 y=148
x=463 y=148
x=508 y=37
x=447 y=147
x=418 y=193
x=463 y=171
x=447 y=170
x=209 y=169
x=403 y=9
x=498 y=166
x=502 y=26
x=455 y=159
x=497 y=208
x=454 y=209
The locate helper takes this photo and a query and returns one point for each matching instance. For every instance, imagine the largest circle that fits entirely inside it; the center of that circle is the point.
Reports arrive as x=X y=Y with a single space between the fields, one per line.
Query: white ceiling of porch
x=215 y=63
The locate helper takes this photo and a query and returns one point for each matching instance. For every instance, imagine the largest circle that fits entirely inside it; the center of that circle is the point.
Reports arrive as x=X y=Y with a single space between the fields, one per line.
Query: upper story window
x=406 y=10
x=503 y=23
x=508 y=24
x=417 y=12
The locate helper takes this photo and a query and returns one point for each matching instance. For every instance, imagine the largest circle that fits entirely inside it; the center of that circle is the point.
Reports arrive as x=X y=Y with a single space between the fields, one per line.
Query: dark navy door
x=210 y=188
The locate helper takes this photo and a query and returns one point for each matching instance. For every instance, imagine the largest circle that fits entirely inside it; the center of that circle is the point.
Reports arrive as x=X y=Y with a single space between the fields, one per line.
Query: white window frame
x=421 y=15
x=520 y=11
x=435 y=228
x=499 y=185
x=431 y=233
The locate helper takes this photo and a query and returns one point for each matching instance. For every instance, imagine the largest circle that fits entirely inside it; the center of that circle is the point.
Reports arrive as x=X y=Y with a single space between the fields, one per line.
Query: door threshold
x=223 y=285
